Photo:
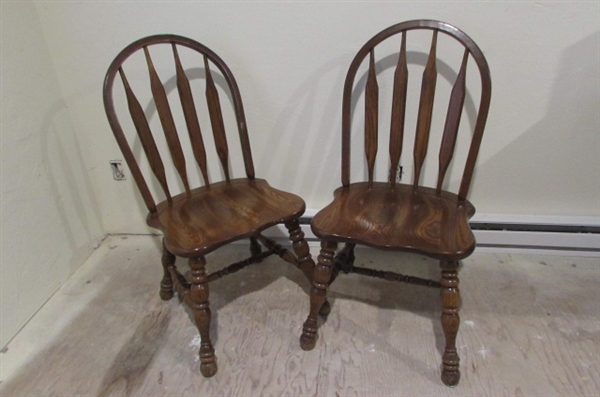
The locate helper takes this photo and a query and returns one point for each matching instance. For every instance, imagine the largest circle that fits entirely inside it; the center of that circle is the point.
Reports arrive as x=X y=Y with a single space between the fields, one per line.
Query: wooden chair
x=202 y=219
x=397 y=216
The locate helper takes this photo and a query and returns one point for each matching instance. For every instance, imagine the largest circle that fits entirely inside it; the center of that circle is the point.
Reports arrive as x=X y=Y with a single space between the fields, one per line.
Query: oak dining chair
x=195 y=215
x=393 y=215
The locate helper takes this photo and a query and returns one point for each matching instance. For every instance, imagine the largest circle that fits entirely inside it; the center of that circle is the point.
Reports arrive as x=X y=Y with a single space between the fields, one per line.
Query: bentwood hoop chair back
x=222 y=209
x=392 y=215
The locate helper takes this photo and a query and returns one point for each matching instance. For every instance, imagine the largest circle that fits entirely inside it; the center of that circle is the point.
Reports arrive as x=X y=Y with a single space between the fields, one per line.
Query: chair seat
x=222 y=213
x=398 y=218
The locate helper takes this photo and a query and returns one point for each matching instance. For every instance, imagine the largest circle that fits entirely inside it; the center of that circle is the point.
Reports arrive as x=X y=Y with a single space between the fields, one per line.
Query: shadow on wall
x=553 y=168
x=313 y=135
x=294 y=135
x=74 y=199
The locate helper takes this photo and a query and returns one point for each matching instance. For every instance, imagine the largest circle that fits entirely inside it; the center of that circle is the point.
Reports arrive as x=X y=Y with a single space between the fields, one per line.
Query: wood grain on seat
x=225 y=212
x=416 y=220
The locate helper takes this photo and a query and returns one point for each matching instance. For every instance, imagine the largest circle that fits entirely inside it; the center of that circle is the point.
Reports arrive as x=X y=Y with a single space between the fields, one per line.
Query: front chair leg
x=166 y=284
x=450 y=321
x=318 y=294
x=199 y=303
x=305 y=261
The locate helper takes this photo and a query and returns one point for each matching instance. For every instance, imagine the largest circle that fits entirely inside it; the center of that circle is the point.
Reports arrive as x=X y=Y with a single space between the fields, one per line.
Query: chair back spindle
x=425 y=109
x=371 y=116
x=216 y=120
x=398 y=111
x=457 y=99
x=191 y=116
x=159 y=97
x=143 y=130
x=167 y=122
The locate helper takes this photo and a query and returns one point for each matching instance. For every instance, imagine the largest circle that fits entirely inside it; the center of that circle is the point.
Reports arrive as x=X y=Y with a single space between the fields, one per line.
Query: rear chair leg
x=199 y=303
x=305 y=261
x=450 y=321
x=166 y=284
x=255 y=248
x=318 y=294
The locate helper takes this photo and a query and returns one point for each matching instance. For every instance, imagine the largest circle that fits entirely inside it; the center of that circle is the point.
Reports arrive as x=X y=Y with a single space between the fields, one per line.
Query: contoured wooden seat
x=428 y=220
x=200 y=219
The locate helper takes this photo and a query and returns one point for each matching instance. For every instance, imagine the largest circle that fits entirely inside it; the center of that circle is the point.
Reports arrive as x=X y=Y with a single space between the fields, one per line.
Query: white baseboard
x=552 y=240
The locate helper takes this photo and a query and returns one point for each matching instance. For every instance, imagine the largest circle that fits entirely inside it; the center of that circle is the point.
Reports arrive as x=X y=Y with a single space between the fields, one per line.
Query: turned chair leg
x=199 y=304
x=318 y=293
x=305 y=261
x=166 y=284
x=450 y=321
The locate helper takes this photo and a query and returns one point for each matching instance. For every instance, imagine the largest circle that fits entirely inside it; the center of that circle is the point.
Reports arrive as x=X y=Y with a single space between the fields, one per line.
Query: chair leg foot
x=318 y=294
x=450 y=377
x=450 y=322
x=166 y=284
x=208 y=362
x=198 y=301
x=308 y=339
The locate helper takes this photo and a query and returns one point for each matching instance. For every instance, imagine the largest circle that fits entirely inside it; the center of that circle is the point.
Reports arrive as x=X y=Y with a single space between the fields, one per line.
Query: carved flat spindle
x=216 y=120
x=145 y=135
x=450 y=321
x=318 y=294
x=425 y=110
x=398 y=110
x=191 y=116
x=166 y=284
x=166 y=120
x=457 y=99
x=371 y=116
x=198 y=302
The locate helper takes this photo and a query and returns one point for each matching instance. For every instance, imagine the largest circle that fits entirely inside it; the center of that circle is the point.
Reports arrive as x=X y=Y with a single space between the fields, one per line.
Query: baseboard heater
x=546 y=235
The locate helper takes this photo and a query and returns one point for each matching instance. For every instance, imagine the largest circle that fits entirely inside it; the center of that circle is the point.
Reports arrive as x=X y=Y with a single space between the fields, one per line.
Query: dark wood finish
x=145 y=135
x=392 y=216
x=166 y=284
x=322 y=276
x=398 y=110
x=457 y=99
x=425 y=110
x=167 y=122
x=371 y=116
x=198 y=302
x=216 y=119
x=203 y=218
x=191 y=117
x=450 y=321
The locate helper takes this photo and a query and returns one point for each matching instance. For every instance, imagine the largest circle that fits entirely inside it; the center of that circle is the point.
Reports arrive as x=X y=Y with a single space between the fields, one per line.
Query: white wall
x=50 y=220
x=540 y=156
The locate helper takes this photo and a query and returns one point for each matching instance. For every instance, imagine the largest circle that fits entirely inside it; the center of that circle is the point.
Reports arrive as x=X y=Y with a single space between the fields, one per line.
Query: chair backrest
x=159 y=98
x=424 y=118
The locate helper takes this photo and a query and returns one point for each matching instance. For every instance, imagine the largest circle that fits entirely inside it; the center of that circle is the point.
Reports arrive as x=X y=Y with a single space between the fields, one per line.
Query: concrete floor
x=530 y=326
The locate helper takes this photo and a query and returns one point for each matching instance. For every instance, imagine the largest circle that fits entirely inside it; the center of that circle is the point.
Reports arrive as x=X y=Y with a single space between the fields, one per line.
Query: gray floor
x=530 y=326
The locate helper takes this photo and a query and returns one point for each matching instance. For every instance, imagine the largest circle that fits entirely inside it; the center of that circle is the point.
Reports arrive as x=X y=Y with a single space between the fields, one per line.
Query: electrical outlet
x=117 y=170
x=399 y=173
